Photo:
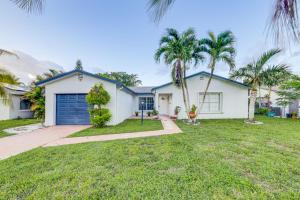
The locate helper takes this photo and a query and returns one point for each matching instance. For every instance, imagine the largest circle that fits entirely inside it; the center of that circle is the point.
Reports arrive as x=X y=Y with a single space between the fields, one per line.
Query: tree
x=254 y=74
x=289 y=91
x=6 y=78
x=220 y=48
x=97 y=98
x=179 y=51
x=274 y=76
x=37 y=99
x=284 y=23
x=46 y=75
x=128 y=80
x=36 y=94
x=78 y=65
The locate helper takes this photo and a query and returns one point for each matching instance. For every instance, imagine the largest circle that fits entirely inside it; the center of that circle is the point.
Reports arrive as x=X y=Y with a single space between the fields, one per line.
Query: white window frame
x=220 y=102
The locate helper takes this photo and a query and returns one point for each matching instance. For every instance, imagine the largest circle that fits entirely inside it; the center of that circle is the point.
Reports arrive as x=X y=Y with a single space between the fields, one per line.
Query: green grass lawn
x=130 y=125
x=222 y=159
x=4 y=124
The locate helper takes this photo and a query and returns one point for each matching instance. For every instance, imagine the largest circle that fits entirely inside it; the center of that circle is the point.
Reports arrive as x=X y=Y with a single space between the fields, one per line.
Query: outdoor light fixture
x=80 y=76
x=142 y=117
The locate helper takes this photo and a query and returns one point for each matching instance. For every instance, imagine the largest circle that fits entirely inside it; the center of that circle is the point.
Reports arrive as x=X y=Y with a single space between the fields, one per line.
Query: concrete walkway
x=13 y=145
x=169 y=128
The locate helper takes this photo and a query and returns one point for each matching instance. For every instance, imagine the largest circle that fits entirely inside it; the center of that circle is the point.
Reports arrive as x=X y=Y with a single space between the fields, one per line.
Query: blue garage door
x=72 y=109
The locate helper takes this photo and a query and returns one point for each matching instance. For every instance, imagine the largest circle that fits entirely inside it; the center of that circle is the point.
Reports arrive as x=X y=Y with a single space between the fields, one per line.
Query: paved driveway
x=13 y=145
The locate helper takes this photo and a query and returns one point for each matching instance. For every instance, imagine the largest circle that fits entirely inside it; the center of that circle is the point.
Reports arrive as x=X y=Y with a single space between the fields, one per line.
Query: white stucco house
x=65 y=98
x=17 y=106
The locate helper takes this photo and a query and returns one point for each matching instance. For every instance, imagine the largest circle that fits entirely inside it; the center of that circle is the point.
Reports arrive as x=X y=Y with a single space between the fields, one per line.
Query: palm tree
x=284 y=22
x=254 y=74
x=6 y=78
x=179 y=51
x=274 y=76
x=37 y=98
x=220 y=48
x=46 y=75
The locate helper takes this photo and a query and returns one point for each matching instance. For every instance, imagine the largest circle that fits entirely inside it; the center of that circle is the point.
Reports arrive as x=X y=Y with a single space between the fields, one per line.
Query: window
x=212 y=103
x=25 y=104
x=148 y=103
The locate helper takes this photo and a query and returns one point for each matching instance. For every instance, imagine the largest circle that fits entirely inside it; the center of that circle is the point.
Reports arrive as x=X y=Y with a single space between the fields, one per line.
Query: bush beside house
x=96 y=98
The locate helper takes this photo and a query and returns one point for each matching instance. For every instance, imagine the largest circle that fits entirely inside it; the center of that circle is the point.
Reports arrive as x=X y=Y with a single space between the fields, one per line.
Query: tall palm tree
x=254 y=74
x=219 y=48
x=179 y=51
x=6 y=78
x=284 y=22
x=274 y=76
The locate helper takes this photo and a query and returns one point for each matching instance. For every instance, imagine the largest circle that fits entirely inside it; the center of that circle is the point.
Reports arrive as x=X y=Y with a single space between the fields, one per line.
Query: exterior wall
x=72 y=85
x=4 y=111
x=234 y=98
x=125 y=103
x=15 y=111
x=12 y=111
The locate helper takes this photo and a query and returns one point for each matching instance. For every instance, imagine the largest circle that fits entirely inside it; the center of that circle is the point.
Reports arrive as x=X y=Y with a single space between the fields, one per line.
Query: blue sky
x=119 y=35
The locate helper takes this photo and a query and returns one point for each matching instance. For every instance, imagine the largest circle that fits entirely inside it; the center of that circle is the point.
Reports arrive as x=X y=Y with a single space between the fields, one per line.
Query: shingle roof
x=142 y=90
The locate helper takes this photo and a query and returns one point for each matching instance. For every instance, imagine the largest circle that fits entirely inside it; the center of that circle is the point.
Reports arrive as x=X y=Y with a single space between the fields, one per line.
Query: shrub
x=154 y=112
x=99 y=117
x=96 y=98
x=262 y=111
x=194 y=109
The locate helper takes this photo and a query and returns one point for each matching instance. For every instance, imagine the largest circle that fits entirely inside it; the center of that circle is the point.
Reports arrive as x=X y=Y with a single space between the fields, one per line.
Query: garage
x=72 y=109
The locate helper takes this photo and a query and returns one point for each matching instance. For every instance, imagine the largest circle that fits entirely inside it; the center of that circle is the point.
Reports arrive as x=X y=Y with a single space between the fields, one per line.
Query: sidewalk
x=169 y=128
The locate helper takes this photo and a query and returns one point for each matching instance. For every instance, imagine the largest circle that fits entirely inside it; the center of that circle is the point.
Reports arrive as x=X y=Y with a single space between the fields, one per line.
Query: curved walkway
x=13 y=145
x=169 y=128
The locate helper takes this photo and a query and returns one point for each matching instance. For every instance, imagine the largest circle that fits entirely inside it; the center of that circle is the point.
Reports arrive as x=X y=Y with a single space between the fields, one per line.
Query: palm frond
x=173 y=33
x=284 y=21
x=30 y=5
x=158 y=8
x=265 y=57
x=229 y=61
x=4 y=52
x=212 y=36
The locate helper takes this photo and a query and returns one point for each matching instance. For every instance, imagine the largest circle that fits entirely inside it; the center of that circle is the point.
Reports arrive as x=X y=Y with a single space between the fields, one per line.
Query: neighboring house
x=17 y=106
x=65 y=98
x=293 y=107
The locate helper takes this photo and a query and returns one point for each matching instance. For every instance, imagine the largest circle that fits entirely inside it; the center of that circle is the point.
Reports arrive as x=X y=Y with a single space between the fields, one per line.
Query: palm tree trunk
x=186 y=89
x=253 y=94
x=207 y=86
x=259 y=94
x=185 y=100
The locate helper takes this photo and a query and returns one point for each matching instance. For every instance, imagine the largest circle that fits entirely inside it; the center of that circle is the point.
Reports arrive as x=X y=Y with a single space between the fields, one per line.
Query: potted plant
x=136 y=113
x=155 y=114
x=193 y=113
x=294 y=115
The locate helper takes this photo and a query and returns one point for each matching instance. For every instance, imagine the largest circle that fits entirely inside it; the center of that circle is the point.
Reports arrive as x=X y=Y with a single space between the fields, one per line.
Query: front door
x=163 y=104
